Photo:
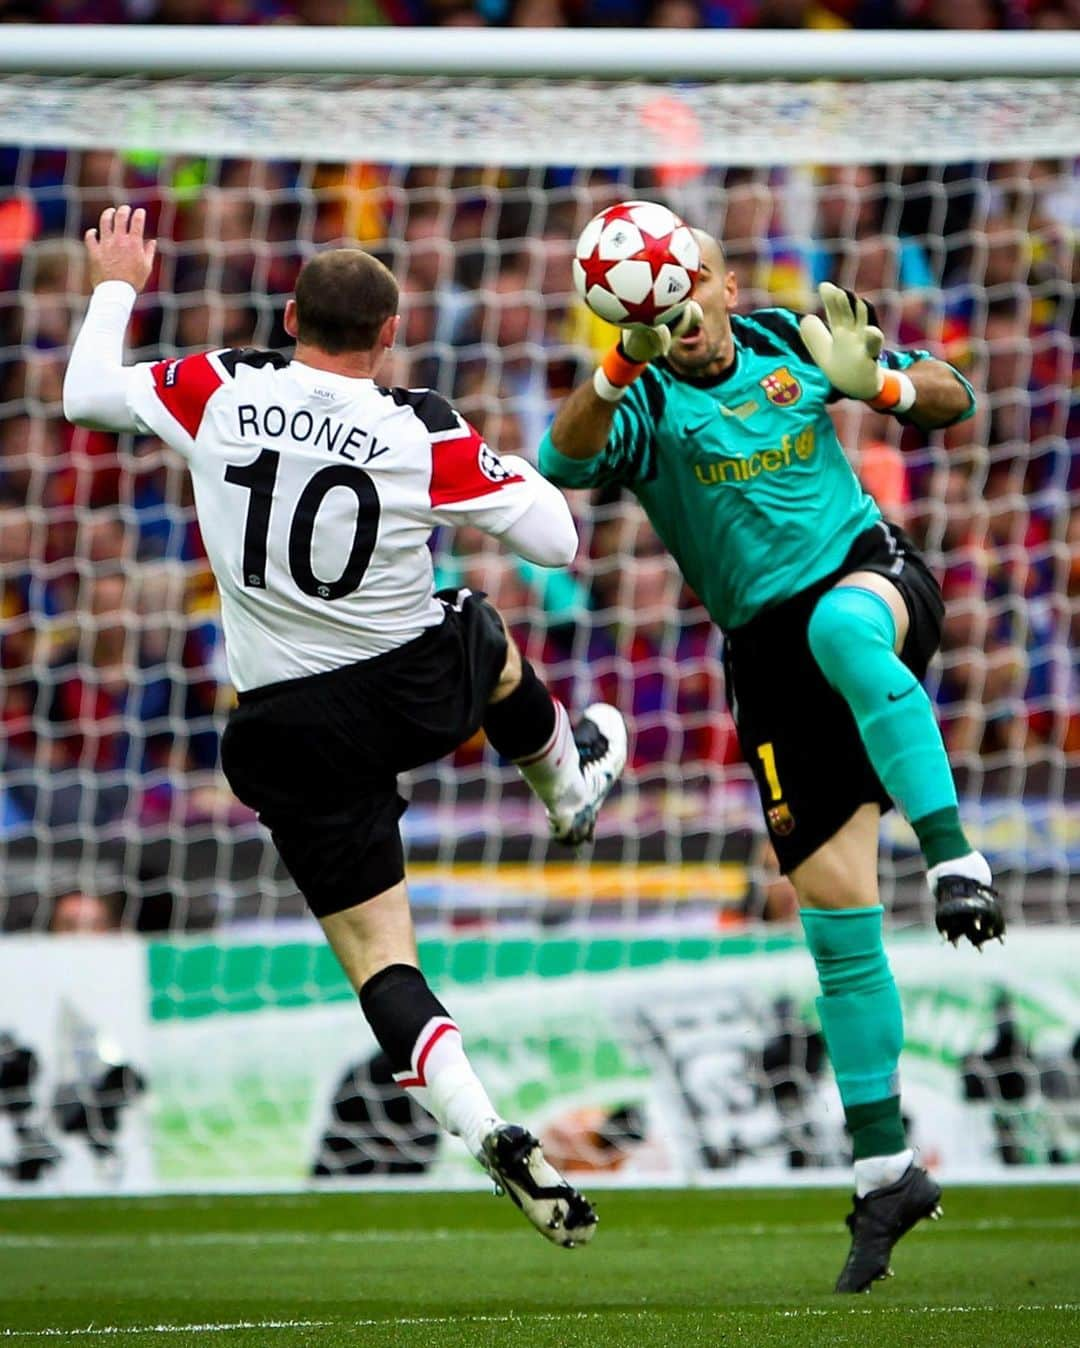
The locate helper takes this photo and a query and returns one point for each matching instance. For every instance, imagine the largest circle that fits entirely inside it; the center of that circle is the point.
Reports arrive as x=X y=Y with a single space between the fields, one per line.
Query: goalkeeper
x=719 y=424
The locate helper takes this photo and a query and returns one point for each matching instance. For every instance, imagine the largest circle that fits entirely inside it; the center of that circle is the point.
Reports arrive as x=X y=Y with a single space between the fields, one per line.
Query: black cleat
x=515 y=1161
x=879 y=1220
x=967 y=908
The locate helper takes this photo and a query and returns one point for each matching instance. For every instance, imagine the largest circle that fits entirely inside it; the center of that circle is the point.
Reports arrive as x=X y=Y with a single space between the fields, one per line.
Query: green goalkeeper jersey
x=741 y=474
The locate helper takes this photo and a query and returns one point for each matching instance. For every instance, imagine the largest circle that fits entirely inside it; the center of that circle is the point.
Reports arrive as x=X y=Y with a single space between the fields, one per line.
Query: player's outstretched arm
x=940 y=397
x=96 y=382
x=583 y=422
x=847 y=345
x=545 y=532
x=503 y=495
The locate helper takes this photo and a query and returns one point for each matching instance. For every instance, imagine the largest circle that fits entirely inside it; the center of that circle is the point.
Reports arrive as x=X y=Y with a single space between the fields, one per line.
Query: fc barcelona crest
x=781 y=387
x=780 y=818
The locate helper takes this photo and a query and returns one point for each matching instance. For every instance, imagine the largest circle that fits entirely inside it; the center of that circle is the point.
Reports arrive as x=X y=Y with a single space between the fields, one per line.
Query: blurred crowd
x=113 y=673
x=828 y=14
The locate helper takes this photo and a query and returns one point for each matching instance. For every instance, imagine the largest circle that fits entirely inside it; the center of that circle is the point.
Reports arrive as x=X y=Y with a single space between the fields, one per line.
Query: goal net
x=593 y=988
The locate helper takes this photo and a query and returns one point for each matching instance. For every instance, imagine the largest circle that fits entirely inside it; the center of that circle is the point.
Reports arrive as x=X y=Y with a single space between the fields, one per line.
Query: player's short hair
x=343 y=297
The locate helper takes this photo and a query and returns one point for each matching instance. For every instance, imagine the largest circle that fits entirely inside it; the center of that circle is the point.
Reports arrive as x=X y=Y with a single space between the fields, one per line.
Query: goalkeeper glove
x=847 y=351
x=639 y=344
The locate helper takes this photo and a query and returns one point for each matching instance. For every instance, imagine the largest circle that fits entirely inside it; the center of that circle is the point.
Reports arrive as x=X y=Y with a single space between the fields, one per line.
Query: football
x=636 y=262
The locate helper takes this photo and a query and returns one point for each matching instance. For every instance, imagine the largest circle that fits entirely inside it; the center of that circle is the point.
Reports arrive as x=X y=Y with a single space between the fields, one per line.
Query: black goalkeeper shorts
x=796 y=732
x=318 y=757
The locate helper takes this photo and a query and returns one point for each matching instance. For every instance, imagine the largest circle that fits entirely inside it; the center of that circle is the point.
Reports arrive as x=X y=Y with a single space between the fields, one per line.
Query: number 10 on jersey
x=259 y=477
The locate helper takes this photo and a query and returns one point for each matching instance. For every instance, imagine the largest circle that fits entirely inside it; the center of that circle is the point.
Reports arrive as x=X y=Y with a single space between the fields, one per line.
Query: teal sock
x=941 y=836
x=877 y=1129
x=862 y=1023
x=851 y=635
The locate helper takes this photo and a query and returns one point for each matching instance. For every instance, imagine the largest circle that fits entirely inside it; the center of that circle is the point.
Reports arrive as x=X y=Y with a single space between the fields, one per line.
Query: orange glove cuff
x=620 y=369
x=897 y=394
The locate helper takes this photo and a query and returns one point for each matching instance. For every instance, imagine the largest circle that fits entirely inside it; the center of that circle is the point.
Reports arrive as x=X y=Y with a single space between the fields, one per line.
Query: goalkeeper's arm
x=846 y=347
x=583 y=422
x=940 y=397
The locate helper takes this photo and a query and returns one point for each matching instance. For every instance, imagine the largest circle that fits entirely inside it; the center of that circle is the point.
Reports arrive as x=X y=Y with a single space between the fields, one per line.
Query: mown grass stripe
x=409 y=1236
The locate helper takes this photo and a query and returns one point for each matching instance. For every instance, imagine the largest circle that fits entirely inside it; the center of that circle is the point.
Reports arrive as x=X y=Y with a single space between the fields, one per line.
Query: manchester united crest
x=781 y=820
x=781 y=387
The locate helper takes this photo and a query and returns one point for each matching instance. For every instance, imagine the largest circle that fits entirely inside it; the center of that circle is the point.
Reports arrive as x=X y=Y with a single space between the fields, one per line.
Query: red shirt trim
x=463 y=468
x=185 y=386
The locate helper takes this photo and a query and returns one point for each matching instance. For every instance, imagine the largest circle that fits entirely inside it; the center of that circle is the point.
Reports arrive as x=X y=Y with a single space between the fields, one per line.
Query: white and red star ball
x=635 y=262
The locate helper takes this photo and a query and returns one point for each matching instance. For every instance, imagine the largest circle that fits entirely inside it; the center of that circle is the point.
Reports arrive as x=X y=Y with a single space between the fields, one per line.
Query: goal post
x=650 y=1005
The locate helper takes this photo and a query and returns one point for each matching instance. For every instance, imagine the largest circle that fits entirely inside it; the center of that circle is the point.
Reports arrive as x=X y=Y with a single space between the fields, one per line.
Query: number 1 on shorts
x=768 y=762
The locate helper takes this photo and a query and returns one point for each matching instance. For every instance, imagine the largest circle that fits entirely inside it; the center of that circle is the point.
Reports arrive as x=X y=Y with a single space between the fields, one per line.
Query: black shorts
x=318 y=757
x=796 y=732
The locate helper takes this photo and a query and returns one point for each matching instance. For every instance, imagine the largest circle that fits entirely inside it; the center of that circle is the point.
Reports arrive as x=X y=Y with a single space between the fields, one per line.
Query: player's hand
x=846 y=350
x=643 y=343
x=117 y=249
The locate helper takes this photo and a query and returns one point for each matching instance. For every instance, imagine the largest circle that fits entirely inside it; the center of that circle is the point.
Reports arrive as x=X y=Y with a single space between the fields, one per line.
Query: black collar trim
x=708 y=380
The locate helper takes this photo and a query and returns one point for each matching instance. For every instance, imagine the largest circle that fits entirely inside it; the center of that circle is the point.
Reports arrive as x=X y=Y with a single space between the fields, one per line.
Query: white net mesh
x=622 y=1037
x=517 y=122
x=114 y=677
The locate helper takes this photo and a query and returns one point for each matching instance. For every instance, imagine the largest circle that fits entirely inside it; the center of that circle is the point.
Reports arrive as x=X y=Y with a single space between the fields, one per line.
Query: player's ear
x=389 y=330
x=290 y=318
x=731 y=290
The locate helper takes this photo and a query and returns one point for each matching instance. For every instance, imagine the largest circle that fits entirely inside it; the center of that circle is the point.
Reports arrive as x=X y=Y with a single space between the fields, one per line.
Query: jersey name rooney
x=316 y=496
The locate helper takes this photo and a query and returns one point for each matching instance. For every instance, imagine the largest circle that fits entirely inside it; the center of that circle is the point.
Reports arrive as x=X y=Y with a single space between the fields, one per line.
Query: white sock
x=878 y=1172
x=555 y=772
x=442 y=1081
x=974 y=866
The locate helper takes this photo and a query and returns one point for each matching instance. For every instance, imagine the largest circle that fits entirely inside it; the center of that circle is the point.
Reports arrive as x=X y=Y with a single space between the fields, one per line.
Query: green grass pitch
x=671 y=1268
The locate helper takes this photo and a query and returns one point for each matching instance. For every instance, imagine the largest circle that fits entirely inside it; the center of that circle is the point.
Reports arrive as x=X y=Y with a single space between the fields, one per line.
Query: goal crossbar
x=598 y=53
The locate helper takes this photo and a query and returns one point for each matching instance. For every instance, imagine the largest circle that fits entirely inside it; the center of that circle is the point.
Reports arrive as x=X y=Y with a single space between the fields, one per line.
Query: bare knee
x=827 y=883
x=842 y=873
x=511 y=670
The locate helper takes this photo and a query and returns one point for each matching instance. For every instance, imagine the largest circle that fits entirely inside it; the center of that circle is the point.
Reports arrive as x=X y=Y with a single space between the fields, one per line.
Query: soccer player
x=316 y=490
x=719 y=425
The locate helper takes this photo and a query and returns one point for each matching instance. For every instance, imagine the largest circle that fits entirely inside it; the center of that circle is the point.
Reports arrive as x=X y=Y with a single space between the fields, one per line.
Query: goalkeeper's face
x=710 y=348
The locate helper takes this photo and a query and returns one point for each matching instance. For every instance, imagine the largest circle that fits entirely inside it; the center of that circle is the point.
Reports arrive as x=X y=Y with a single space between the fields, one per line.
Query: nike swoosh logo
x=896 y=697
x=740 y=413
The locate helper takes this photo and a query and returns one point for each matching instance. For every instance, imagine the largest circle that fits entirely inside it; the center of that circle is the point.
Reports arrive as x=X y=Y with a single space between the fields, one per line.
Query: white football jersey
x=316 y=495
